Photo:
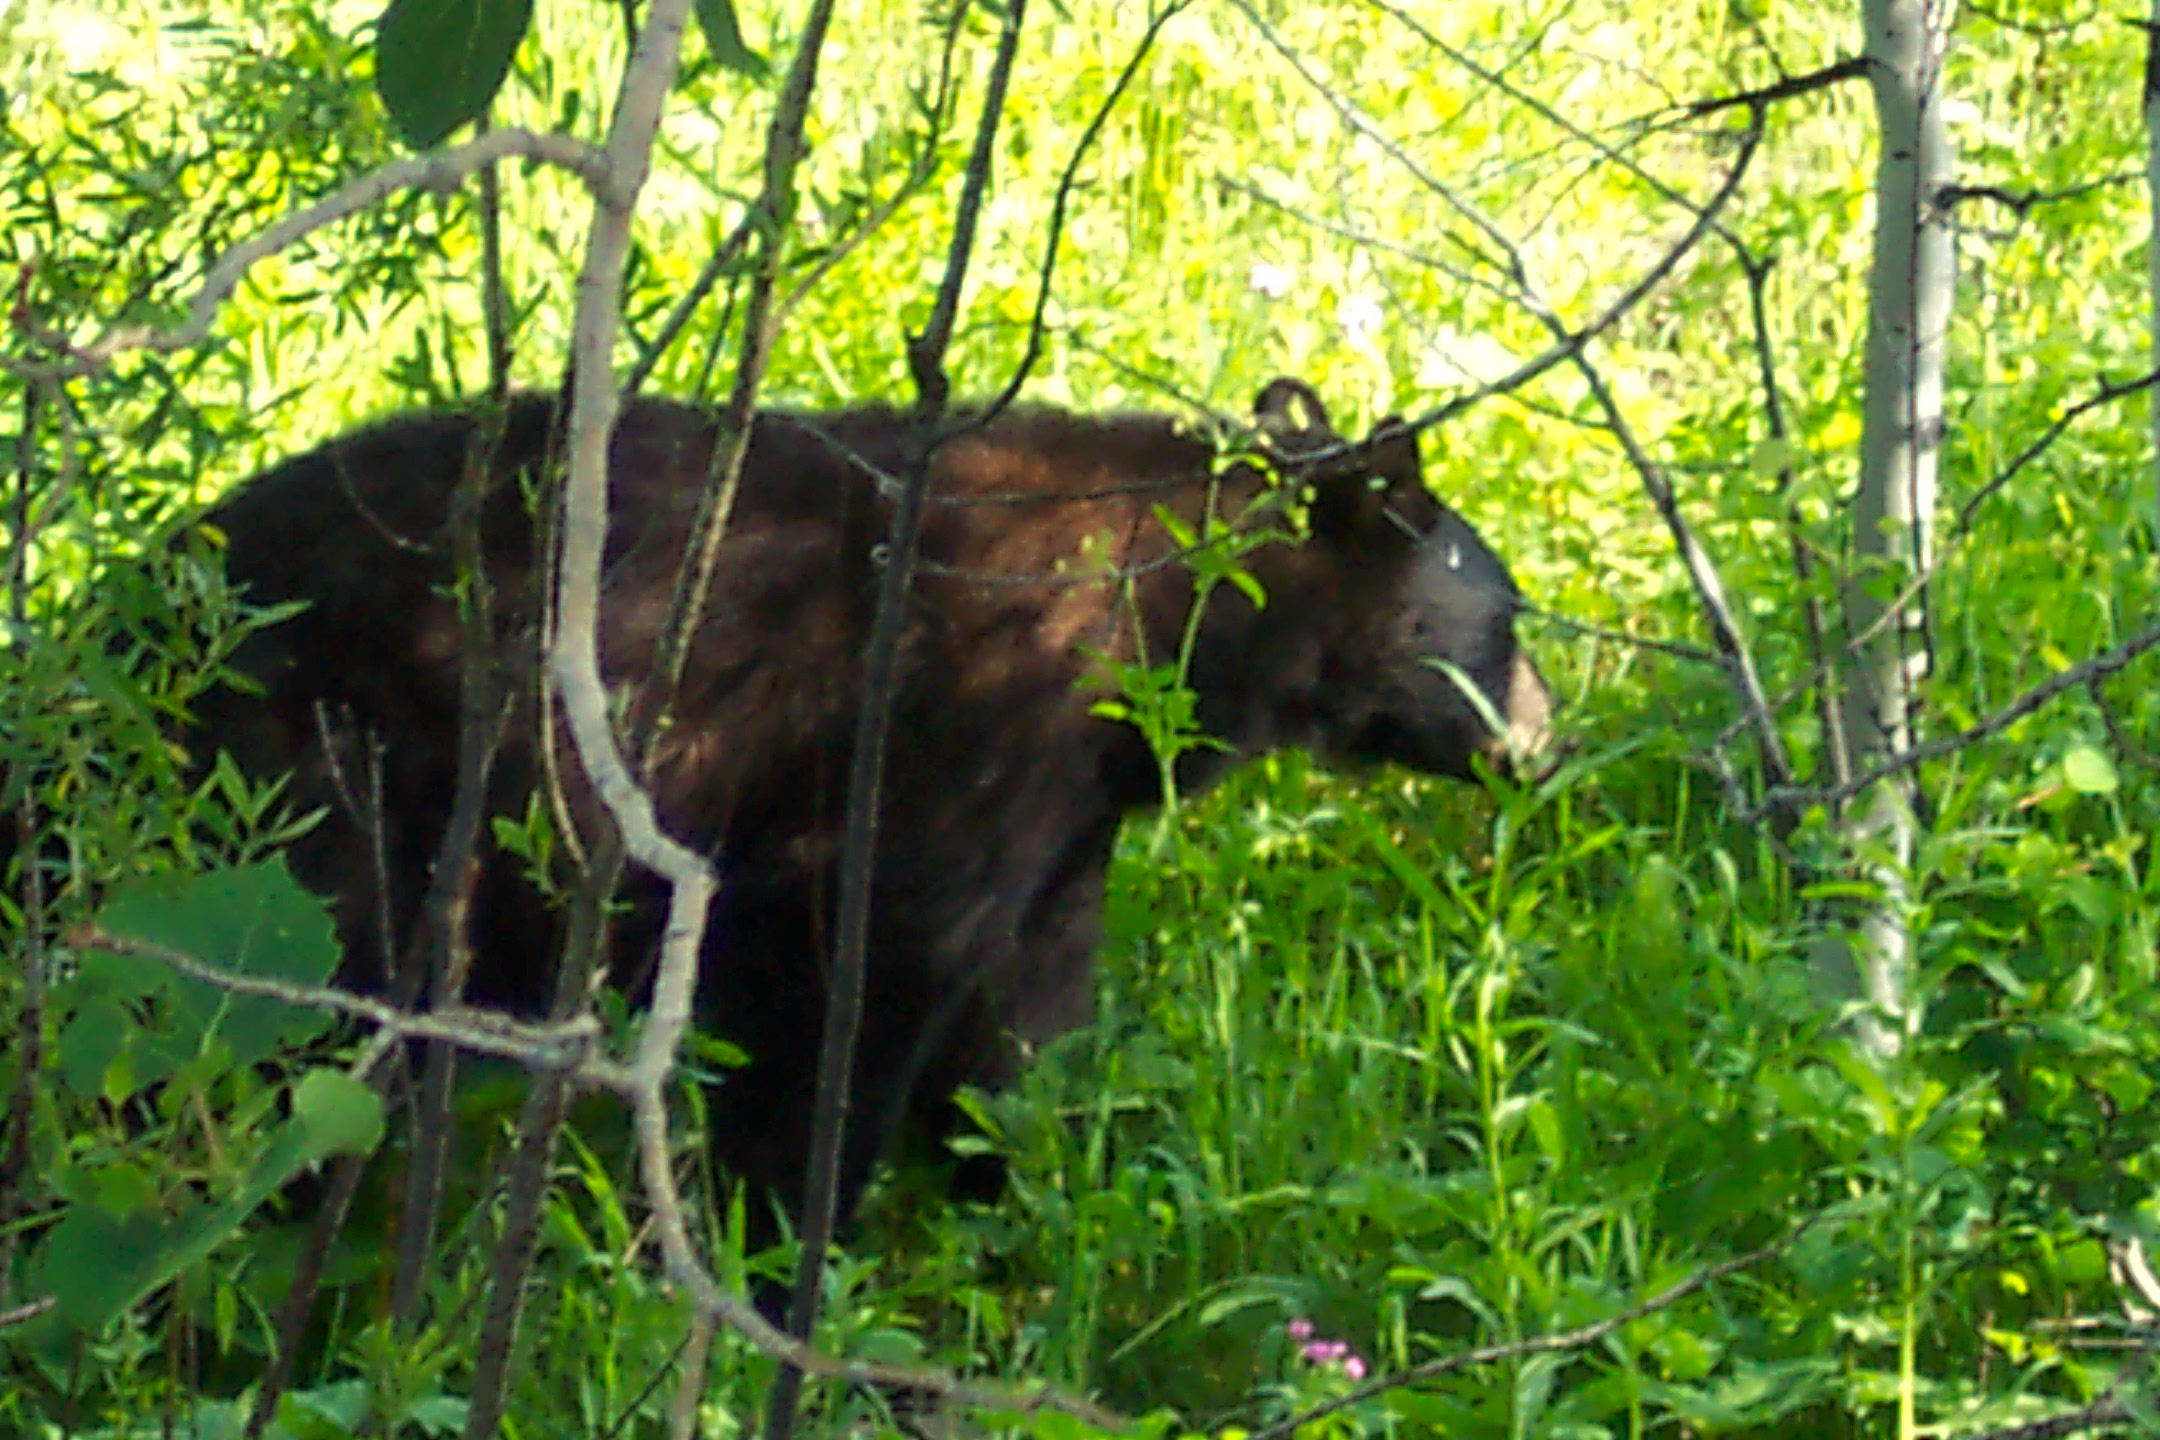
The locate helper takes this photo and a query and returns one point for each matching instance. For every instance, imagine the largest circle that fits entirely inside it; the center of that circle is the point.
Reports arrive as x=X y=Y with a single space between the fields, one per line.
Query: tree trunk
x=1909 y=288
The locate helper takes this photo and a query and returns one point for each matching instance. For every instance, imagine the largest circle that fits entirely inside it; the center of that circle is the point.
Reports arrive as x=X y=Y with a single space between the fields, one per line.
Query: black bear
x=1051 y=545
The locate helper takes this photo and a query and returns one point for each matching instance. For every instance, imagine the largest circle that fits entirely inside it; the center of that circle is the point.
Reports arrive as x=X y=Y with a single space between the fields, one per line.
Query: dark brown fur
x=1003 y=792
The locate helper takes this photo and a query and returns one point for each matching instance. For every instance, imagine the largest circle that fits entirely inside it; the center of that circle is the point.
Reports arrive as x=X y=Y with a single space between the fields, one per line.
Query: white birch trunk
x=1909 y=292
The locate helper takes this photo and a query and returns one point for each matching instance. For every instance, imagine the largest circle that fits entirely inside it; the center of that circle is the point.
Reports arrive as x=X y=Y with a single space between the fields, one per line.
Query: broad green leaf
x=2087 y=770
x=723 y=36
x=340 y=1115
x=439 y=62
x=248 y=920
x=91 y=1040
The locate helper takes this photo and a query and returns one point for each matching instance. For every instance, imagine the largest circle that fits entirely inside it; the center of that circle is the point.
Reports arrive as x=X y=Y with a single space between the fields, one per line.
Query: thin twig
x=484 y=713
x=23 y=1314
x=29 y=1040
x=573 y=670
x=920 y=172
x=725 y=254
x=827 y=1164
x=2109 y=392
x=926 y=350
x=2024 y=202
x=1038 y=320
x=1366 y=239
x=567 y=1048
x=2126 y=745
x=32 y=510
x=1679 y=650
x=690 y=1389
x=2084 y=673
x=2108 y=1409
x=297 y=1307
x=1563 y=350
x=1701 y=570
x=1830 y=712
x=1852 y=67
x=768 y=221
x=1353 y=118
x=1968 y=515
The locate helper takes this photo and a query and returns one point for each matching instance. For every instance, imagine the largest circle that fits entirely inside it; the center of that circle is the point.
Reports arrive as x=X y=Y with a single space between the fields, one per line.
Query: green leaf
x=249 y=920
x=339 y=1114
x=439 y=62
x=97 y=1266
x=723 y=36
x=2088 y=770
x=91 y=1040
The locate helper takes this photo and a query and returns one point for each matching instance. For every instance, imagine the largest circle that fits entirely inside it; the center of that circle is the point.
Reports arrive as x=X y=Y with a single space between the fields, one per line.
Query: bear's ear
x=1381 y=474
x=1276 y=412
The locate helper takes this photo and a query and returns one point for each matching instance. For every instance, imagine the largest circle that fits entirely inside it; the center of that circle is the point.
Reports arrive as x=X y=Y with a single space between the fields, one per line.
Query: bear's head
x=1423 y=668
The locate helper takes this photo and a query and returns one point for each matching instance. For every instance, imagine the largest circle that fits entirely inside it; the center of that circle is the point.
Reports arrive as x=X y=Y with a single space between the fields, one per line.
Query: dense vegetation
x=1411 y=1067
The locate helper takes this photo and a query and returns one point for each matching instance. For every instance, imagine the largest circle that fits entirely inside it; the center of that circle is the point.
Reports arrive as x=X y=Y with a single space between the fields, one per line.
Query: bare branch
x=1038 y=324
x=573 y=664
x=484 y=711
x=768 y=220
x=29 y=1038
x=2084 y=673
x=1499 y=80
x=26 y=1312
x=1469 y=279
x=1967 y=516
x=1852 y=67
x=565 y=1048
x=2108 y=1409
x=1573 y=342
x=441 y=170
x=1702 y=571
x=2024 y=202
x=926 y=351
x=1678 y=650
x=858 y=854
x=573 y=668
x=2109 y=392
x=726 y=253
x=918 y=177
x=690 y=1389
x=1356 y=120
x=32 y=510
x=1829 y=711
x=2104 y=1413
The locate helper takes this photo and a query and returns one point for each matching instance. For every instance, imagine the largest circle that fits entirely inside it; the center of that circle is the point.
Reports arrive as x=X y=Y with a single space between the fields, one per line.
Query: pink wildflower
x=1354 y=1367
x=1299 y=1329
